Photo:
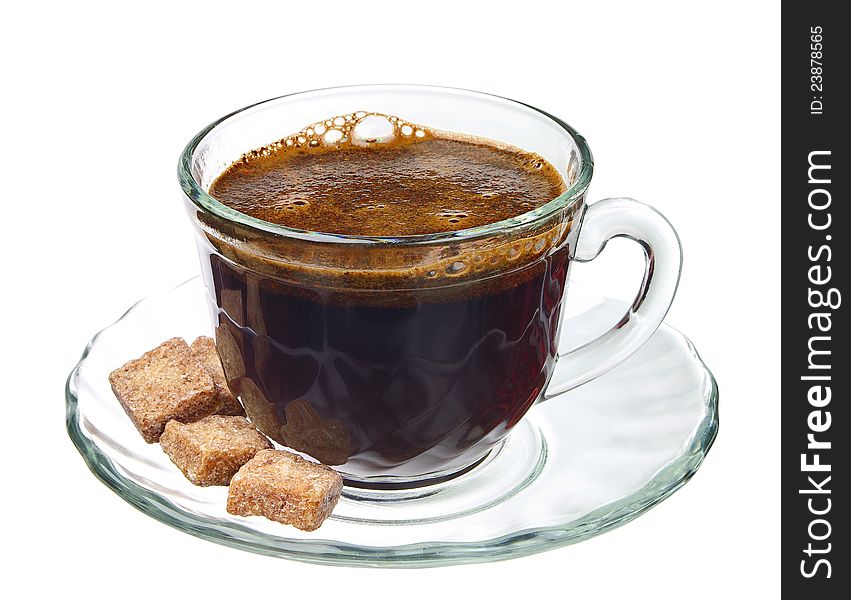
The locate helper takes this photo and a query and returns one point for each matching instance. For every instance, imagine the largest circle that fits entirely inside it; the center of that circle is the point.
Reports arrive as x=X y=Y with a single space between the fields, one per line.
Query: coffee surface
x=372 y=175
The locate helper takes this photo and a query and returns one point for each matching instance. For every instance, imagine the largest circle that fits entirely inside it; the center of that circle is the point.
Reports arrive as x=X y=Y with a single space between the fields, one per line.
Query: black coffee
x=372 y=378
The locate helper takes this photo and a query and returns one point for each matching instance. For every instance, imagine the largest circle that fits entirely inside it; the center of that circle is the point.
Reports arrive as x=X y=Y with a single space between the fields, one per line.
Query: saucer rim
x=518 y=543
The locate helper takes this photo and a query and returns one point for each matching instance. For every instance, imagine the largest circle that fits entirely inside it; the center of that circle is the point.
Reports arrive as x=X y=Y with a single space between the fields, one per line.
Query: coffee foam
x=357 y=129
x=354 y=270
x=368 y=174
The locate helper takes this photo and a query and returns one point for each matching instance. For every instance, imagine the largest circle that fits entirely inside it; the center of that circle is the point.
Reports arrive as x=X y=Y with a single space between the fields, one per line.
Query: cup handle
x=604 y=220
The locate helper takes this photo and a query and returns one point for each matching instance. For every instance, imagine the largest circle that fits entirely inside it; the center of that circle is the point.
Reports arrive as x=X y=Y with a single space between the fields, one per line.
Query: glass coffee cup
x=402 y=361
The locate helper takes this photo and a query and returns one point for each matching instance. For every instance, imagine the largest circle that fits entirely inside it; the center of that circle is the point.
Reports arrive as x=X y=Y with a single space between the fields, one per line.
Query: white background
x=680 y=105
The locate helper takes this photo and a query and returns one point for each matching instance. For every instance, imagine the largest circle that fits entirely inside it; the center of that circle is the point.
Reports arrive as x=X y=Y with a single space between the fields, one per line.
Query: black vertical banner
x=816 y=342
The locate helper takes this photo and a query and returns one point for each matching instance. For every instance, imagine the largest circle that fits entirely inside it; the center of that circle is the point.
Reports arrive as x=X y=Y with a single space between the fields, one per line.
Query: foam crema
x=368 y=174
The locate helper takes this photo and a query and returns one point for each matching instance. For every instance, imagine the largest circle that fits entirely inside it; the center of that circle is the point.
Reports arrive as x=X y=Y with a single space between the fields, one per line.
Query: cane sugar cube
x=284 y=487
x=205 y=349
x=211 y=451
x=165 y=383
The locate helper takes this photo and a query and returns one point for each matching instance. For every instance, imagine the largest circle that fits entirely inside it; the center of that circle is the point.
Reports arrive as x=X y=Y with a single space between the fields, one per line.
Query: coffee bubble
x=452 y=216
x=332 y=136
x=359 y=128
x=456 y=268
x=373 y=129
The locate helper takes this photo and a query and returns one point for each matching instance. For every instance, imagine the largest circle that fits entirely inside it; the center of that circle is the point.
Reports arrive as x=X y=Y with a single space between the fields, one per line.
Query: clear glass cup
x=403 y=360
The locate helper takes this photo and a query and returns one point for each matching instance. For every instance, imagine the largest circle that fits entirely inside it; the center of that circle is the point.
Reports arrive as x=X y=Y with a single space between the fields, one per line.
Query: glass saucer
x=578 y=465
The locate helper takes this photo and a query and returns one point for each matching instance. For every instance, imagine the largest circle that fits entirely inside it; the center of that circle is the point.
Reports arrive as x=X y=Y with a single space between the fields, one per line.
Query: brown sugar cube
x=205 y=349
x=284 y=487
x=211 y=451
x=165 y=383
